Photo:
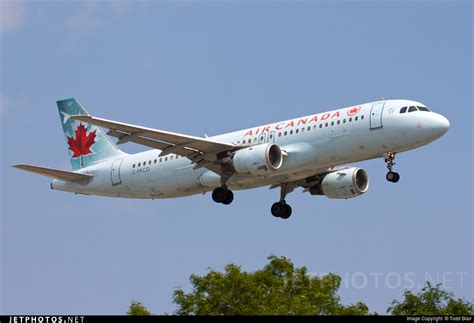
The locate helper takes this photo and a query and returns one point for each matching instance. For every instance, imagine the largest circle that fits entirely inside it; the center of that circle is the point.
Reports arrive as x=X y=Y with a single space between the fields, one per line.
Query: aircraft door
x=376 y=115
x=262 y=138
x=115 y=172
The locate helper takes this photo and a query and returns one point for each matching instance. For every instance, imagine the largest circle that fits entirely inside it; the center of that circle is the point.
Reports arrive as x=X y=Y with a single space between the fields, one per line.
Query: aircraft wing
x=202 y=151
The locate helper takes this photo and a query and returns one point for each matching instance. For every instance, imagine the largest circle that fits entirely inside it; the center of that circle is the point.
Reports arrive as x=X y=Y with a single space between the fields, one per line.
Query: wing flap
x=56 y=173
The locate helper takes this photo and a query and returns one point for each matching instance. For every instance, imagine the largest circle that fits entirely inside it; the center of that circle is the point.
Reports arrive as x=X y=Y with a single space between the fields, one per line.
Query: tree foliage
x=281 y=289
x=432 y=300
x=277 y=289
x=138 y=309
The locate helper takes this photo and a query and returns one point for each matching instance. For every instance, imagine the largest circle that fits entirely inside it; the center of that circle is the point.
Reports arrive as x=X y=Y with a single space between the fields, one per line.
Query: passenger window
x=326 y=124
x=139 y=164
x=338 y=121
x=291 y=132
x=149 y=162
x=133 y=166
x=285 y=133
x=279 y=134
x=155 y=161
x=254 y=139
x=171 y=157
x=166 y=158
x=403 y=110
x=343 y=120
x=412 y=108
x=302 y=129
x=350 y=119
x=362 y=117
x=297 y=130
x=332 y=123
x=320 y=125
x=356 y=118
x=309 y=128
x=161 y=159
x=271 y=136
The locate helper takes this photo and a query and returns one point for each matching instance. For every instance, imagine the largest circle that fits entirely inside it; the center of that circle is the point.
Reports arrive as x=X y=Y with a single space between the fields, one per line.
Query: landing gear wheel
x=393 y=177
x=286 y=211
x=281 y=210
x=276 y=209
x=229 y=198
x=222 y=195
x=218 y=195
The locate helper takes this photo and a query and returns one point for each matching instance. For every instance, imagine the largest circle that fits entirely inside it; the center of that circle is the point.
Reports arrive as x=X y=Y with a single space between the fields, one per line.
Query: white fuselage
x=311 y=144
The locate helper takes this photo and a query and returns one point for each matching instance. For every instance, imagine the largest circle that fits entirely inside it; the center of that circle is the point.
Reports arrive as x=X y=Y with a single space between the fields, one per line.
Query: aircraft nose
x=439 y=124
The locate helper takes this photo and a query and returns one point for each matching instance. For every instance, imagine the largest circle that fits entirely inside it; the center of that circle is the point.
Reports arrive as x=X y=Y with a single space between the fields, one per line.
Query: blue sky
x=211 y=67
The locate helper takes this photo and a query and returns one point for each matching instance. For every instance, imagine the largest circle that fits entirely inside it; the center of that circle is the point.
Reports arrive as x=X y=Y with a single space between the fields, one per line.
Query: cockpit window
x=412 y=108
x=423 y=109
x=403 y=110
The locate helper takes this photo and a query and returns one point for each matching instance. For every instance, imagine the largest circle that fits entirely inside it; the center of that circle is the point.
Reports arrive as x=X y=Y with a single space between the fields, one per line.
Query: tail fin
x=87 y=144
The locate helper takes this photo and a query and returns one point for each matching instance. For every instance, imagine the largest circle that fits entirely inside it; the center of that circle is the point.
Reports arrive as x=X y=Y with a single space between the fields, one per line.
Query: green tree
x=138 y=309
x=432 y=300
x=277 y=289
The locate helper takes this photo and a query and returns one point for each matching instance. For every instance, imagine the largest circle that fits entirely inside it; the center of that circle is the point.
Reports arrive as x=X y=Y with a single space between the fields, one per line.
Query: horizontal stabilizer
x=56 y=173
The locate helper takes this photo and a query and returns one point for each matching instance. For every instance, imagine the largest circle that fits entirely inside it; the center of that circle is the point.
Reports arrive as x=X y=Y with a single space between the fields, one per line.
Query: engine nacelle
x=258 y=160
x=343 y=184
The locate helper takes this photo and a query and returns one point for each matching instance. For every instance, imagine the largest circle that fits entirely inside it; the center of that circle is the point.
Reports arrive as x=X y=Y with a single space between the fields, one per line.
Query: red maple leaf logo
x=353 y=111
x=83 y=142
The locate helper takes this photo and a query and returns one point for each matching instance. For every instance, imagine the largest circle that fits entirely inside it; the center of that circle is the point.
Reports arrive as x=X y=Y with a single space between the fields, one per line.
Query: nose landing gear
x=389 y=161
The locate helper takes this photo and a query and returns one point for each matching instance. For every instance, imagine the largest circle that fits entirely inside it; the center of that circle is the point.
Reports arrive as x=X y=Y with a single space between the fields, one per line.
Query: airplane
x=311 y=152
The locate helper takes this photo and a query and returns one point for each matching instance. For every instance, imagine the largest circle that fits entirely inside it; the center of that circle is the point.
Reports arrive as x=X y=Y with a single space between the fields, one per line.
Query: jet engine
x=258 y=160
x=343 y=184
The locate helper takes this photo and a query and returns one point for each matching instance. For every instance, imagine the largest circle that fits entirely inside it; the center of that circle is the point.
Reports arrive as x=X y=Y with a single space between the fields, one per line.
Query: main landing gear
x=391 y=175
x=280 y=209
x=222 y=195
